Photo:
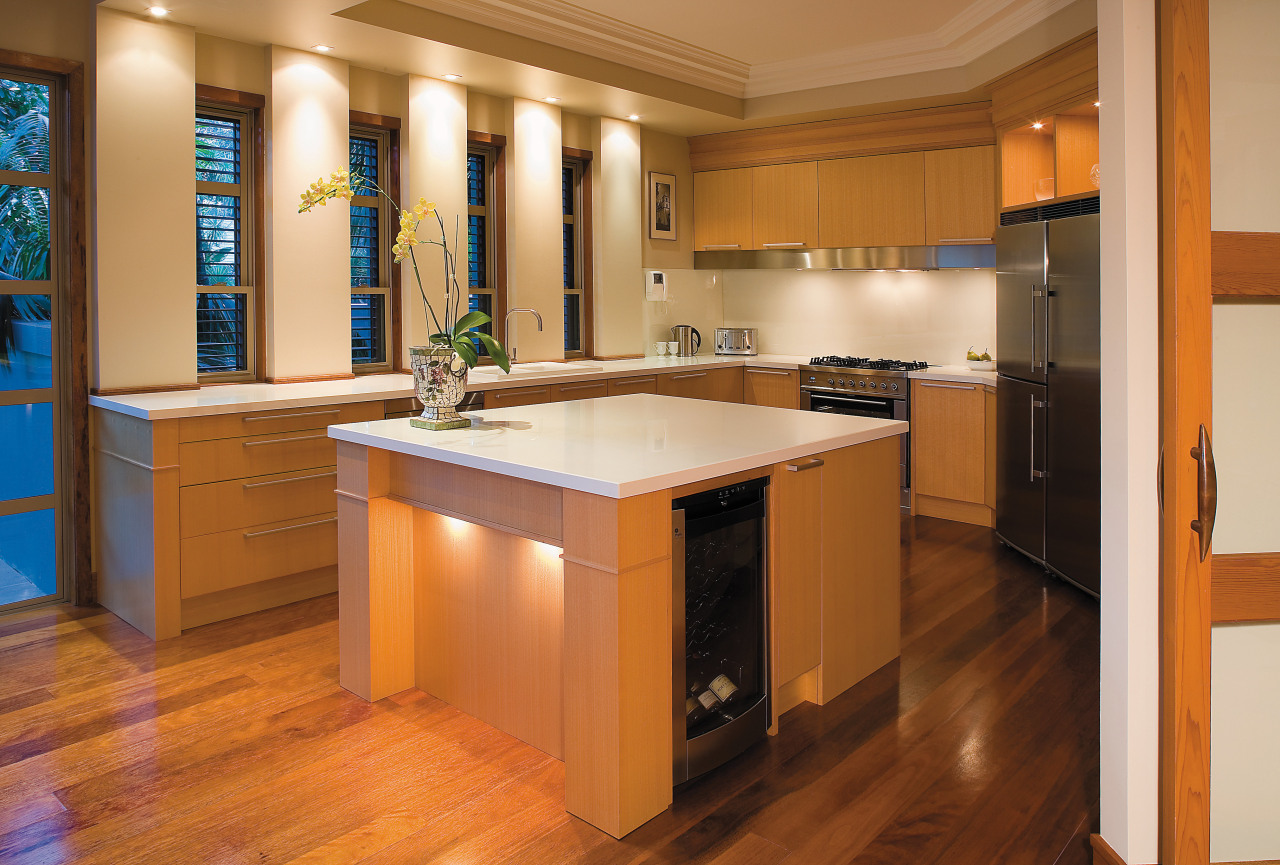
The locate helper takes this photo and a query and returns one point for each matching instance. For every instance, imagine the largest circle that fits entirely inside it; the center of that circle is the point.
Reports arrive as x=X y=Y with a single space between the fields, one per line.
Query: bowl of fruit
x=979 y=362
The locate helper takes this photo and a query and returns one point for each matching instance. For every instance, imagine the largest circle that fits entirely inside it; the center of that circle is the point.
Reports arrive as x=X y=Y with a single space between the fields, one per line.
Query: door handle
x=814 y=463
x=1035 y=473
x=1206 y=492
x=1035 y=292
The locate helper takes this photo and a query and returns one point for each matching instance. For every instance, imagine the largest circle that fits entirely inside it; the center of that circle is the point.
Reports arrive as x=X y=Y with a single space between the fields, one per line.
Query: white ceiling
x=684 y=66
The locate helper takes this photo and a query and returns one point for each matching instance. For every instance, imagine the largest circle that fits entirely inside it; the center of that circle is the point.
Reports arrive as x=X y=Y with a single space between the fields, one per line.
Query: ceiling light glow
x=1037 y=125
x=552 y=99
x=1097 y=105
x=452 y=77
x=633 y=116
x=323 y=49
x=157 y=11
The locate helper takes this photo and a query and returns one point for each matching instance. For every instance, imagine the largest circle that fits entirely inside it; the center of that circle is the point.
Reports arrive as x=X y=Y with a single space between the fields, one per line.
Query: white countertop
x=231 y=398
x=624 y=446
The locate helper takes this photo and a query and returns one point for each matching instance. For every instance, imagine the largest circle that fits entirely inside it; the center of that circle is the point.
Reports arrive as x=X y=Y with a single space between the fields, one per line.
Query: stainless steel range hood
x=850 y=258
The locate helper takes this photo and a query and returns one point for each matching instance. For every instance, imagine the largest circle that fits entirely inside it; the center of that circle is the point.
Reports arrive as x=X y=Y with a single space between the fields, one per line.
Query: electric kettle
x=687 y=338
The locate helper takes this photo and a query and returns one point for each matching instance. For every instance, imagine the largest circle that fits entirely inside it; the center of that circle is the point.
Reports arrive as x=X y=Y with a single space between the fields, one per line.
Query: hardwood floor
x=234 y=744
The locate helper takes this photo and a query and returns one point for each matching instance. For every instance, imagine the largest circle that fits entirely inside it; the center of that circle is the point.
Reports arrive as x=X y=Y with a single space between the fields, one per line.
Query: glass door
x=31 y=512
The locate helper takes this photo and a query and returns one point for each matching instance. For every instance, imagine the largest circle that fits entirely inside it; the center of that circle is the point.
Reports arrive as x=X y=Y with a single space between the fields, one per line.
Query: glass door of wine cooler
x=719 y=644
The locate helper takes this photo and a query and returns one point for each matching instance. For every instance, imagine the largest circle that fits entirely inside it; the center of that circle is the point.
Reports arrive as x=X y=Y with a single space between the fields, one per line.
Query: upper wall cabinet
x=722 y=209
x=872 y=201
x=1057 y=160
x=960 y=195
x=785 y=206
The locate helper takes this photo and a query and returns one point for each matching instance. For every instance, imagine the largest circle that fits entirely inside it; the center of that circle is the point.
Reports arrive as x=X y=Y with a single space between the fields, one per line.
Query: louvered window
x=575 y=208
x=373 y=230
x=224 y=257
x=481 y=287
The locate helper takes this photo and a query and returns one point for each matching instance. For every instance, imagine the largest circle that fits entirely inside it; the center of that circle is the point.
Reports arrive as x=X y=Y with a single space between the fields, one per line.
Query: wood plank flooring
x=234 y=744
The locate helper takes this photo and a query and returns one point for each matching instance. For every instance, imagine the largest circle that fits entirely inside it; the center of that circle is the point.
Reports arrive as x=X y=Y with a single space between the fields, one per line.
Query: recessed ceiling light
x=1037 y=125
x=552 y=99
x=157 y=11
x=633 y=116
x=452 y=77
x=1097 y=105
x=323 y=49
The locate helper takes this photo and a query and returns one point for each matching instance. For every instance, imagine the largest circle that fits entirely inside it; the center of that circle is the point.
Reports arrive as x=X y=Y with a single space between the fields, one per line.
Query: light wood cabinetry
x=1054 y=161
x=723 y=384
x=795 y=539
x=507 y=397
x=723 y=209
x=773 y=387
x=785 y=206
x=952 y=430
x=872 y=201
x=960 y=195
x=579 y=390
x=633 y=384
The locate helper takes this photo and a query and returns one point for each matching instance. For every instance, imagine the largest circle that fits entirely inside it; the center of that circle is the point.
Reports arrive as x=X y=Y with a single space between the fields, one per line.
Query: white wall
x=146 y=203
x=617 y=210
x=934 y=316
x=1130 y=718
x=1245 y=758
x=694 y=297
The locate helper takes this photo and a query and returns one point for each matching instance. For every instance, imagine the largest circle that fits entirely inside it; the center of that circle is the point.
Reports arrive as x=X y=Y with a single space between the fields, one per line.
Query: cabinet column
x=617 y=658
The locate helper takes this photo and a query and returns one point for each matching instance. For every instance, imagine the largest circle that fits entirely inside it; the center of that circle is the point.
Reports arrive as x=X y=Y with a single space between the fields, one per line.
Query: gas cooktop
x=880 y=365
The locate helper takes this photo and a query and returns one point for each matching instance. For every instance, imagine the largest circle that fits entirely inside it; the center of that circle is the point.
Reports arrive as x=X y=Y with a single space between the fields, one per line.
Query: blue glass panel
x=476 y=253
x=24 y=126
x=24 y=232
x=222 y=333
x=26 y=440
x=364 y=247
x=364 y=164
x=28 y=563
x=367 y=342
x=26 y=342
x=572 y=322
x=566 y=190
x=475 y=180
x=217 y=148
x=567 y=243
x=218 y=243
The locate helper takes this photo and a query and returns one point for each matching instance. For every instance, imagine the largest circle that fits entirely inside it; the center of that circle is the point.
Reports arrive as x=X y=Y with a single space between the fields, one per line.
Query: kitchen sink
x=535 y=370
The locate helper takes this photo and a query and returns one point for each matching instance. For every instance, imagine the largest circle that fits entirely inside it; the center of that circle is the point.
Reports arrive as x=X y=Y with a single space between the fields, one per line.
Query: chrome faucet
x=511 y=353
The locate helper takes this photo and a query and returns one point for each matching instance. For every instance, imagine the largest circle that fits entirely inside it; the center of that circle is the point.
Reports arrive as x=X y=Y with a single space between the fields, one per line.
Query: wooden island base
x=546 y=612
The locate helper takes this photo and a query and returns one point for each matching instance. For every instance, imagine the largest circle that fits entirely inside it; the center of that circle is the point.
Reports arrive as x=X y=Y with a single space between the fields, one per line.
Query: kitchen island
x=520 y=569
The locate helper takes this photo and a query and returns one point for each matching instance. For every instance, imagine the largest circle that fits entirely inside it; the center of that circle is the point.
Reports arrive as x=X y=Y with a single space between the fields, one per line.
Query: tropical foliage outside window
x=24 y=210
x=370 y=248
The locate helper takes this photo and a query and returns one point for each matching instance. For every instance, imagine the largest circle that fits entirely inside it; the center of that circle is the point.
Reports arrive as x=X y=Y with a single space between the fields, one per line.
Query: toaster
x=736 y=340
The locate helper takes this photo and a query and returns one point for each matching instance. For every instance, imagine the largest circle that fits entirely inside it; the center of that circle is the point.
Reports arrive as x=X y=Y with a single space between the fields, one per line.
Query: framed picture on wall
x=662 y=206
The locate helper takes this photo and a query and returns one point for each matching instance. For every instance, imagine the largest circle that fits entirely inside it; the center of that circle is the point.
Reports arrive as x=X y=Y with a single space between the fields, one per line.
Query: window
x=485 y=271
x=371 y=268
x=575 y=185
x=226 y=316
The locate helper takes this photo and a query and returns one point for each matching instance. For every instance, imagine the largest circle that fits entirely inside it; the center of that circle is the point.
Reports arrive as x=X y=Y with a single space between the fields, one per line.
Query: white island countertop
x=624 y=446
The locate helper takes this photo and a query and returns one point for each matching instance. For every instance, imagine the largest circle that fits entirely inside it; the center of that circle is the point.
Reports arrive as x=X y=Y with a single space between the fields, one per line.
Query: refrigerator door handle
x=1036 y=473
x=1048 y=328
x=1035 y=293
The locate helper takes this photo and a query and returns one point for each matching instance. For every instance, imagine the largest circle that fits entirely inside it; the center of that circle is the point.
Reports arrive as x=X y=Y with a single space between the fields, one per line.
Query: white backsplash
x=693 y=297
x=934 y=316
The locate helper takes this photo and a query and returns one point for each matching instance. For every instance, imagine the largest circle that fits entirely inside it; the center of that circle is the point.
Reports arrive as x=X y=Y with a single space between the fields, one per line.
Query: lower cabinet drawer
x=633 y=384
x=223 y=459
x=207 y=508
x=504 y=397
x=226 y=560
x=579 y=390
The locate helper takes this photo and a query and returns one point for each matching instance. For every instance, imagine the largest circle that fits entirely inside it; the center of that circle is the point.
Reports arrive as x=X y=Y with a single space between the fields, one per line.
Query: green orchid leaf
x=470 y=320
x=466 y=351
x=496 y=351
x=439 y=339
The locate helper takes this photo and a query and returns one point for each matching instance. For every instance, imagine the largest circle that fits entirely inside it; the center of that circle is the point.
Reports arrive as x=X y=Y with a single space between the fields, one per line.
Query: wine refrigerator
x=719 y=647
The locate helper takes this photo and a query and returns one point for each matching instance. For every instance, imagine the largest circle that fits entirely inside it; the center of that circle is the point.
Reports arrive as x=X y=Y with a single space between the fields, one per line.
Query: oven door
x=858 y=405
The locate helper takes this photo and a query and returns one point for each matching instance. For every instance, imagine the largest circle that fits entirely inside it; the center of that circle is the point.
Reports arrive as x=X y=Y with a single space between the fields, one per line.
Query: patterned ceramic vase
x=440 y=380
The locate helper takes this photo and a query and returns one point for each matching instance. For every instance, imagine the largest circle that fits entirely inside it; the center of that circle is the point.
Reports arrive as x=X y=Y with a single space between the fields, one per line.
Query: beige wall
x=667 y=154
x=487 y=113
x=618 y=213
x=146 y=203
x=437 y=171
x=308 y=314
x=377 y=92
x=694 y=297
x=577 y=131
x=1245 y=759
x=934 y=316
x=535 y=277
x=232 y=65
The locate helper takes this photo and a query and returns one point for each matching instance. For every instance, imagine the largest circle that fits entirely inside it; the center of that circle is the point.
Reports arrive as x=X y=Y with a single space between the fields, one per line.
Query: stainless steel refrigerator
x=1048 y=418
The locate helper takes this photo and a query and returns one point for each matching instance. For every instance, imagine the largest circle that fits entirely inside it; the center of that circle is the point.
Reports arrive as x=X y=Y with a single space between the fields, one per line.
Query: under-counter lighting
x=323 y=49
x=157 y=11
x=452 y=77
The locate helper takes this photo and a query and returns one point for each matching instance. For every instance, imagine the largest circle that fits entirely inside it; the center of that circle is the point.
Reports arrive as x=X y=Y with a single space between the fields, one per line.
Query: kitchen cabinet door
x=949 y=450
x=507 y=397
x=795 y=581
x=773 y=387
x=633 y=384
x=785 y=206
x=722 y=209
x=871 y=200
x=579 y=390
x=723 y=385
x=960 y=195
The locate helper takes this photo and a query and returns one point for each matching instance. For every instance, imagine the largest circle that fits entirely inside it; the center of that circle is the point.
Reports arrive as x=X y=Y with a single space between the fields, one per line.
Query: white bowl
x=981 y=365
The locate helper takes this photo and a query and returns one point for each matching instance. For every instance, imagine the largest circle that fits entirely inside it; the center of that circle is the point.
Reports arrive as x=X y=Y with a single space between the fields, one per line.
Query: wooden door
x=722 y=209
x=795 y=581
x=1186 y=368
x=949 y=440
x=960 y=195
x=871 y=200
x=785 y=206
x=779 y=388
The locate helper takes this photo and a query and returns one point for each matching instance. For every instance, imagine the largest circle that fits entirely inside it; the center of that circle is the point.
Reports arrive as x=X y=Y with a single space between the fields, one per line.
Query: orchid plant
x=454 y=330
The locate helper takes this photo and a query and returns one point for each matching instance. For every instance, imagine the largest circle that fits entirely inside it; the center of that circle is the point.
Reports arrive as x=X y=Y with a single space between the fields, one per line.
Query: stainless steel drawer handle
x=949 y=386
x=722 y=246
x=768 y=372
x=788 y=244
x=964 y=240
x=643 y=380
x=286 y=416
x=288 y=480
x=521 y=392
x=285 y=441
x=594 y=384
x=289 y=528
x=814 y=463
x=688 y=375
